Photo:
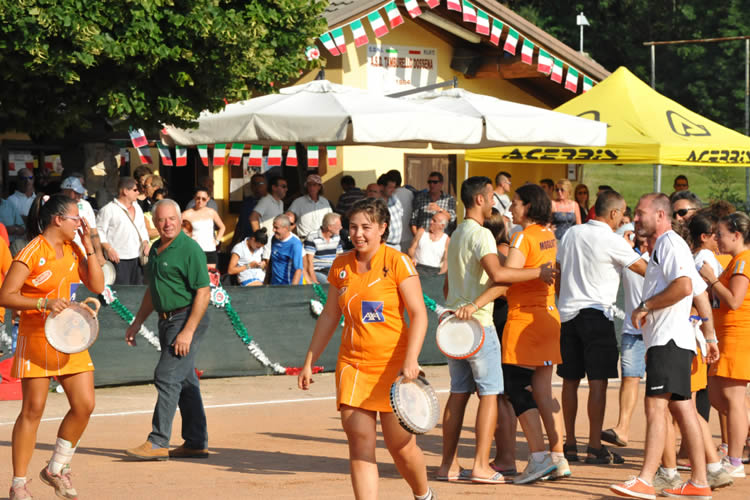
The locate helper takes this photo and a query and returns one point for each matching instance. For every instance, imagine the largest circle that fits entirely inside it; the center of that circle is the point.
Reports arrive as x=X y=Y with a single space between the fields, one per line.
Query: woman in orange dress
x=372 y=286
x=728 y=377
x=39 y=283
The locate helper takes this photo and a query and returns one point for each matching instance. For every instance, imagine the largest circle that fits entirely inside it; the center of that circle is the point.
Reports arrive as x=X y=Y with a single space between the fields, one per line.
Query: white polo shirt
x=309 y=214
x=670 y=259
x=591 y=258
x=268 y=207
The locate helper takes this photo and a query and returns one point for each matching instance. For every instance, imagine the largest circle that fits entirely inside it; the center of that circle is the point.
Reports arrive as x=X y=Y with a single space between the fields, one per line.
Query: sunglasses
x=433 y=182
x=28 y=178
x=560 y=190
x=682 y=212
x=76 y=218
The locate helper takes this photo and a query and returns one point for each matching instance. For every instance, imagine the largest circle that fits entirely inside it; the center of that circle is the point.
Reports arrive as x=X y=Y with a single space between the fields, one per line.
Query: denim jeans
x=178 y=385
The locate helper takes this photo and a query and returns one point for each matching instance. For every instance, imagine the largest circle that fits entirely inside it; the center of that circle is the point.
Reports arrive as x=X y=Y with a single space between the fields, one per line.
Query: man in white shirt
x=406 y=198
x=311 y=207
x=500 y=198
x=591 y=258
x=122 y=231
x=664 y=316
x=24 y=195
x=395 y=209
x=73 y=189
x=269 y=207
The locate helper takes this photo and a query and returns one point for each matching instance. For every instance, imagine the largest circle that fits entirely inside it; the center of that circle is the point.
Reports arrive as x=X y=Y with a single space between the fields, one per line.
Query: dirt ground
x=270 y=440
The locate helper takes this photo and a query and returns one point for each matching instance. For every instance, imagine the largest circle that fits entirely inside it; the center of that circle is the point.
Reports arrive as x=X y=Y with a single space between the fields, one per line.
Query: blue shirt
x=286 y=258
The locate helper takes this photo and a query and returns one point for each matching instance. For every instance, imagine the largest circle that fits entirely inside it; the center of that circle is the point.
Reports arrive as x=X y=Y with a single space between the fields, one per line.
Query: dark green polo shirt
x=176 y=274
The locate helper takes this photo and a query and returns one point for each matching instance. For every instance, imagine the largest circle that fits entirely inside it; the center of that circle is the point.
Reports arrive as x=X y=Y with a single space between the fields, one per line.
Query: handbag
x=142 y=256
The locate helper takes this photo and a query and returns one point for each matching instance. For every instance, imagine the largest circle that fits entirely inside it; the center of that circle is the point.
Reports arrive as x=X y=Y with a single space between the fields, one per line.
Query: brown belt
x=169 y=314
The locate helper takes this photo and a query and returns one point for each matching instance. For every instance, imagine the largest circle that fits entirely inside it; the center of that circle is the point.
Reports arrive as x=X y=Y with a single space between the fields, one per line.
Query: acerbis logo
x=684 y=127
x=372 y=311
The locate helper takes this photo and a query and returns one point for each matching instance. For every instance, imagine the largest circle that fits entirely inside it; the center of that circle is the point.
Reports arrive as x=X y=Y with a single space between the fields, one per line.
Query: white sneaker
x=536 y=470
x=719 y=479
x=662 y=481
x=738 y=471
x=562 y=471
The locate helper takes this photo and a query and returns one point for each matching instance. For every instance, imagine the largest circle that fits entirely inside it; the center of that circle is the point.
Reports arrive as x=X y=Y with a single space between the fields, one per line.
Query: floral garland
x=110 y=298
x=5 y=339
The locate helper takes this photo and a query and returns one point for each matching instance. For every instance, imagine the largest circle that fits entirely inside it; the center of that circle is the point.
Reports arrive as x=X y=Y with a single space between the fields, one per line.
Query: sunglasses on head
x=682 y=212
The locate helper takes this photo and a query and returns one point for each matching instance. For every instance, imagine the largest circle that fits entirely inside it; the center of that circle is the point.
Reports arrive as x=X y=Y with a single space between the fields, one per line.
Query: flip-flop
x=505 y=472
x=448 y=479
x=464 y=475
x=611 y=437
x=496 y=478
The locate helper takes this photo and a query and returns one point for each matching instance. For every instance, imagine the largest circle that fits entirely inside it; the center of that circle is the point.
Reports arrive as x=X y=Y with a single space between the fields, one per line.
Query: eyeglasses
x=682 y=212
x=76 y=218
x=28 y=178
x=560 y=190
x=431 y=181
x=200 y=199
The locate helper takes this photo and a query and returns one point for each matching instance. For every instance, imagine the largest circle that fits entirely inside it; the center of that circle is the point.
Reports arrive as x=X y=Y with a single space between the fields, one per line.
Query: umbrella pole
x=657 y=178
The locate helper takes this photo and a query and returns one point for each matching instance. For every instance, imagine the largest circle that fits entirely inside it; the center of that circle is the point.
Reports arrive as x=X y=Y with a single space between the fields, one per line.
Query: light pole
x=581 y=21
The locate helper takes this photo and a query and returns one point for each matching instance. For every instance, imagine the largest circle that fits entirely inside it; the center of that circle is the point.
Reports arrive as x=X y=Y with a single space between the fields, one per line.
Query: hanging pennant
x=274 y=156
x=166 y=154
x=394 y=16
x=497 y=30
x=377 y=24
x=312 y=156
x=235 y=154
x=256 y=156
x=181 y=154
x=358 y=31
x=138 y=138
x=527 y=51
x=544 y=62
x=331 y=154
x=291 y=157
x=220 y=151
x=571 y=81
x=557 y=71
x=454 y=5
x=587 y=84
x=329 y=44
x=483 y=23
x=433 y=3
x=511 y=41
x=338 y=37
x=412 y=7
x=470 y=14
x=203 y=152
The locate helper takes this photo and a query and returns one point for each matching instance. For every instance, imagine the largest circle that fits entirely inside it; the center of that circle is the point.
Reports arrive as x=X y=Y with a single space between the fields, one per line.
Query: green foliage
x=70 y=64
x=708 y=79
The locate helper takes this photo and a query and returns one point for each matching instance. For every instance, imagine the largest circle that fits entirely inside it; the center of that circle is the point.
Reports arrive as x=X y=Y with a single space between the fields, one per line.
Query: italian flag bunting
x=527 y=51
x=166 y=155
x=145 y=154
x=220 y=151
x=454 y=5
x=256 y=156
x=360 y=37
x=203 y=152
x=571 y=81
x=338 y=37
x=483 y=22
x=470 y=14
x=331 y=153
x=544 y=62
x=312 y=156
x=497 y=30
x=291 y=157
x=328 y=44
x=235 y=154
x=557 y=71
x=413 y=8
x=138 y=138
x=274 y=156
x=433 y=3
x=587 y=83
x=511 y=41
x=181 y=153
x=377 y=24
x=394 y=16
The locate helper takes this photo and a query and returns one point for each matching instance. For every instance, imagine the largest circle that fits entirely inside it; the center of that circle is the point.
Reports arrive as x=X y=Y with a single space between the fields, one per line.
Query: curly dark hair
x=540 y=207
x=376 y=210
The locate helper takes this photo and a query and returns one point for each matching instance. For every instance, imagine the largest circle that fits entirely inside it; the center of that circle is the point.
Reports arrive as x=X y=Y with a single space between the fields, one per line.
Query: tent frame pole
x=747 y=117
x=657 y=167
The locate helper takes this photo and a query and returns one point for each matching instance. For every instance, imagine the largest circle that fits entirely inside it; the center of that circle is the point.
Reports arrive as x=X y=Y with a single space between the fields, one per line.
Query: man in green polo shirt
x=178 y=289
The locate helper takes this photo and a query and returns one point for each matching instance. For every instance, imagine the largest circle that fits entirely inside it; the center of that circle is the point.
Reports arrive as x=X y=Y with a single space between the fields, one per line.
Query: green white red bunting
x=483 y=22
x=220 y=151
x=329 y=44
x=412 y=7
x=377 y=24
x=571 y=81
x=454 y=5
x=203 y=152
x=394 y=16
x=511 y=41
x=138 y=138
x=544 y=62
x=470 y=14
x=331 y=154
x=291 y=157
x=312 y=156
x=587 y=84
x=527 y=51
x=274 y=156
x=181 y=153
x=497 y=30
x=166 y=155
x=360 y=37
x=338 y=37
x=235 y=154
x=256 y=156
x=557 y=71
x=433 y=3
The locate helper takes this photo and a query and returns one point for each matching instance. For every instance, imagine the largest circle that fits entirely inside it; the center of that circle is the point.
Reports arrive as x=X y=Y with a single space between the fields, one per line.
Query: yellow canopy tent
x=644 y=127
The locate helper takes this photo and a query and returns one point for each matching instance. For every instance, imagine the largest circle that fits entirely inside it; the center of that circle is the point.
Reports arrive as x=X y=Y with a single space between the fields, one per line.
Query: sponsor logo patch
x=42 y=277
x=372 y=311
x=342 y=274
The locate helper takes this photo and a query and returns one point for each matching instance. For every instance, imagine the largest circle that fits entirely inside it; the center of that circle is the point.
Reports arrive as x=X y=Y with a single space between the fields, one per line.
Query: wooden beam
x=511 y=69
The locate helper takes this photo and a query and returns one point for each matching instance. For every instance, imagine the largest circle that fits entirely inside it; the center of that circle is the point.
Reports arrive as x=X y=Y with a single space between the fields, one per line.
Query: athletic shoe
x=20 y=492
x=562 y=471
x=662 y=480
x=535 y=470
x=689 y=490
x=719 y=479
x=734 y=471
x=635 y=487
x=62 y=482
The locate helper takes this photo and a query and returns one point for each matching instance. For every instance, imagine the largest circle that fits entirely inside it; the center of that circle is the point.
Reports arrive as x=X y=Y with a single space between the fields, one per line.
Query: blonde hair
x=566 y=185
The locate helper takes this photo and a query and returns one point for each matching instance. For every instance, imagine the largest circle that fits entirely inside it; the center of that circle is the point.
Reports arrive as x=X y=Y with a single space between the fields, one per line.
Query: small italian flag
x=338 y=37
x=433 y=3
x=291 y=157
x=527 y=51
x=220 y=151
x=138 y=138
x=587 y=83
x=181 y=153
x=412 y=6
x=483 y=22
x=557 y=71
x=454 y=5
x=511 y=41
x=328 y=44
x=144 y=153
x=235 y=154
x=571 y=81
x=377 y=24
x=360 y=37
x=331 y=154
x=203 y=152
x=470 y=14
x=544 y=62
x=312 y=156
x=274 y=156
x=256 y=156
x=166 y=154
x=497 y=30
x=394 y=16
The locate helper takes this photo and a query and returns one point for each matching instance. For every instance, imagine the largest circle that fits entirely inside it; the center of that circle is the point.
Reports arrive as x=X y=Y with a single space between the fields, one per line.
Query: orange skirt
x=532 y=336
x=698 y=373
x=36 y=358
x=734 y=357
x=366 y=386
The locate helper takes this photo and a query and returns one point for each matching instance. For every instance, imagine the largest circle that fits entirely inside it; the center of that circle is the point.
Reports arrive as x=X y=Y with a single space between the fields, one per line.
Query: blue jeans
x=481 y=372
x=178 y=385
x=633 y=357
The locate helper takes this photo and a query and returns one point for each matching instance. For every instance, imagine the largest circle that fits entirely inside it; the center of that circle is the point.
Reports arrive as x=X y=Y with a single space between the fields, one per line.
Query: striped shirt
x=323 y=251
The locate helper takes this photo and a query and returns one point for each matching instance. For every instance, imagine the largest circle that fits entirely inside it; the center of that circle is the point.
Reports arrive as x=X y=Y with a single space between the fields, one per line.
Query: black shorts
x=588 y=346
x=668 y=371
x=211 y=257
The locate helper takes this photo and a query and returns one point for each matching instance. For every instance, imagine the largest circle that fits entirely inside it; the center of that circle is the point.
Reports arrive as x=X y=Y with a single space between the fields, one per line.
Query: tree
x=73 y=65
x=708 y=79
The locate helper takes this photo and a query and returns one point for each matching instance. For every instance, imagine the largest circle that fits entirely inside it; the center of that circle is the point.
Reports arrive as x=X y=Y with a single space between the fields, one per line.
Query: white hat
x=73 y=183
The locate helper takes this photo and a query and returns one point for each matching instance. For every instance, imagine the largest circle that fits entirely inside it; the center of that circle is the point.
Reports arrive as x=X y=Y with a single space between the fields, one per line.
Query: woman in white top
x=247 y=260
x=203 y=220
x=429 y=249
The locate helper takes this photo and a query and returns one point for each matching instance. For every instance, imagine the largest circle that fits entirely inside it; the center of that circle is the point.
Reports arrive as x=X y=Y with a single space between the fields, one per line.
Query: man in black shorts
x=591 y=257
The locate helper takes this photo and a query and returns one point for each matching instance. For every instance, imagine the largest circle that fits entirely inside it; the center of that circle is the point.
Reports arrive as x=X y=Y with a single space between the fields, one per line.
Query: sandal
x=603 y=456
x=571 y=452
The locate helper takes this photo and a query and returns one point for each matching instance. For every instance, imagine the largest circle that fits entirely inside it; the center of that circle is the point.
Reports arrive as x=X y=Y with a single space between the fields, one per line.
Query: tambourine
x=415 y=404
x=457 y=338
x=75 y=329
x=110 y=274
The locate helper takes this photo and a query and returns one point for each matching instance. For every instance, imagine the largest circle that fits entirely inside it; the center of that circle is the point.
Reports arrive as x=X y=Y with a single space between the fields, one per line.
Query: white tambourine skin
x=416 y=414
x=55 y=329
x=459 y=339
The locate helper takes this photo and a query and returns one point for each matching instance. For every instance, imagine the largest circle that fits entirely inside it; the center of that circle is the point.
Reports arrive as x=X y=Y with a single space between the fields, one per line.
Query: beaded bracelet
x=39 y=304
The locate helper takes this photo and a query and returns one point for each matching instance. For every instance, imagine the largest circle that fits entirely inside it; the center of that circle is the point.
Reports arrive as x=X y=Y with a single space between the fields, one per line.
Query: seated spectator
x=259 y=190
x=429 y=249
x=321 y=248
x=286 y=254
x=247 y=262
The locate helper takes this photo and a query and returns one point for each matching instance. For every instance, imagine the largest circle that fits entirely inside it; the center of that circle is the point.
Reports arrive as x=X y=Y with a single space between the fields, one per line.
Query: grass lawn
x=634 y=180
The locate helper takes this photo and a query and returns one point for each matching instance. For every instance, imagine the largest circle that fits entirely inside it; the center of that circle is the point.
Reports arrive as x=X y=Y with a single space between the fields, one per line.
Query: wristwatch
x=642 y=305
